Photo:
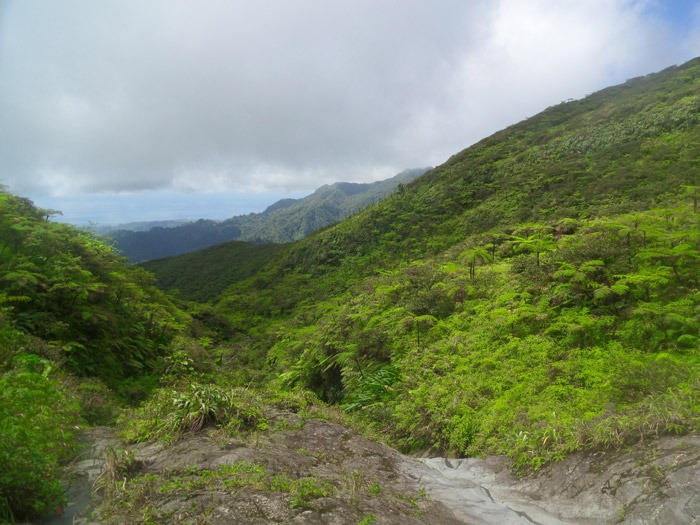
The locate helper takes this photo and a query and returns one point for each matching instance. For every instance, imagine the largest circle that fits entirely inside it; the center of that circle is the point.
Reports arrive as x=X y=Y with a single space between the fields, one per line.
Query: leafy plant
x=190 y=407
x=37 y=423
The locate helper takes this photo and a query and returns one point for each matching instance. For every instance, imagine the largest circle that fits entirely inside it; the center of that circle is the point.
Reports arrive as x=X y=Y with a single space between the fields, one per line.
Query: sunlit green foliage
x=533 y=358
x=535 y=294
x=74 y=292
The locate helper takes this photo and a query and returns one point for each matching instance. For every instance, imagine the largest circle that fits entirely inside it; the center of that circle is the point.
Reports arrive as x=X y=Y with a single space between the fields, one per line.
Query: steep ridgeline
x=535 y=294
x=285 y=221
x=624 y=149
x=140 y=226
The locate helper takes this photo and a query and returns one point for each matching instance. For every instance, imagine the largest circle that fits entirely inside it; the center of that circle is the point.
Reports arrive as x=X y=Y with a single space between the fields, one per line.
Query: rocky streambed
x=652 y=483
x=351 y=480
x=81 y=475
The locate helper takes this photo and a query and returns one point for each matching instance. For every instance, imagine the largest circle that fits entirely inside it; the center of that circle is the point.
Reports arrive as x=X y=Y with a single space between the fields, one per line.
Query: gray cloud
x=278 y=95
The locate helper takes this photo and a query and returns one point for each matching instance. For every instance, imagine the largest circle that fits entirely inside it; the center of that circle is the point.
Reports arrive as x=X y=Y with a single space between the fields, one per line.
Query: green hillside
x=535 y=294
x=200 y=276
x=625 y=149
x=80 y=334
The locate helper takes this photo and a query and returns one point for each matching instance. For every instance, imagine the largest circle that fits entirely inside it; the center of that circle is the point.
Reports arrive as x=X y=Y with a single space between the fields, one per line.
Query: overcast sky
x=122 y=110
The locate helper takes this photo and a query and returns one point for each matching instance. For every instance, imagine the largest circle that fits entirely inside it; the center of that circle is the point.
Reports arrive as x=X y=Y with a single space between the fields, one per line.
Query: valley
x=511 y=337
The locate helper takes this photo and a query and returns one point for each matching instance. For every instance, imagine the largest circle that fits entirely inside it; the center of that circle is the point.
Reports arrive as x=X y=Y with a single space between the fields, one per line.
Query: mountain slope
x=535 y=294
x=291 y=220
x=624 y=149
x=285 y=221
x=201 y=275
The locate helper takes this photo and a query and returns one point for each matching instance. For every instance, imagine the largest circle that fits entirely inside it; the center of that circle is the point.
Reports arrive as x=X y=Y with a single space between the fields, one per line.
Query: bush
x=37 y=422
x=191 y=407
x=98 y=404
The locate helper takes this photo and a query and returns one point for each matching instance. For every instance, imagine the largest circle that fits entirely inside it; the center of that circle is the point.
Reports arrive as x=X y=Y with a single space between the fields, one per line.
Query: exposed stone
x=81 y=475
x=652 y=483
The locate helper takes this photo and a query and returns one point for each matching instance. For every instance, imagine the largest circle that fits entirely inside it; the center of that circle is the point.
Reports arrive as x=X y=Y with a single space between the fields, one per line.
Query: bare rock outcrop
x=366 y=483
x=652 y=483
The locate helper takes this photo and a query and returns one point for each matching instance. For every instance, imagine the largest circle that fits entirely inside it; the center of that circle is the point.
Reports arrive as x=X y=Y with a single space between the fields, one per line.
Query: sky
x=129 y=110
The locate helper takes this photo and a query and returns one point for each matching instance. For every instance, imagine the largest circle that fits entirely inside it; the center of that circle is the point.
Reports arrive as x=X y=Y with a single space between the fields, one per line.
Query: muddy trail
x=653 y=483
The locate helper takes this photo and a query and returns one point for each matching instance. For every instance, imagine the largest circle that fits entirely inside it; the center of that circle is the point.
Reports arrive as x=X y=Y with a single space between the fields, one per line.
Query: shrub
x=191 y=407
x=98 y=404
x=37 y=422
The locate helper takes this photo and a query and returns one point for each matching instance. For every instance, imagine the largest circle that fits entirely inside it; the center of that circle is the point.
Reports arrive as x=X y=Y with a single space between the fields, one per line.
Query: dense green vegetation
x=285 y=221
x=548 y=339
x=76 y=294
x=200 y=276
x=537 y=294
x=78 y=330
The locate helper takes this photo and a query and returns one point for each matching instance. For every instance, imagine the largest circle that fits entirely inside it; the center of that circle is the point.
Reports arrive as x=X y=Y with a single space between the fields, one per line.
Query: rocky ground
x=313 y=471
x=81 y=476
x=653 y=483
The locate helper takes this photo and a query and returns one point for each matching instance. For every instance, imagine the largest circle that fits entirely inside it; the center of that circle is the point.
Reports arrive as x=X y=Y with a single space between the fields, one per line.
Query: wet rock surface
x=81 y=476
x=653 y=483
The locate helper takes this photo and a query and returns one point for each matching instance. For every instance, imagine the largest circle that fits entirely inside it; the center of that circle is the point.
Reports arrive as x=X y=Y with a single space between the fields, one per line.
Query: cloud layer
x=224 y=95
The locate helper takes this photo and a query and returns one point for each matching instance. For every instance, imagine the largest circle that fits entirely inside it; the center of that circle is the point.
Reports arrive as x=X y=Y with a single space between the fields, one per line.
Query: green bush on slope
x=62 y=285
x=38 y=420
x=592 y=340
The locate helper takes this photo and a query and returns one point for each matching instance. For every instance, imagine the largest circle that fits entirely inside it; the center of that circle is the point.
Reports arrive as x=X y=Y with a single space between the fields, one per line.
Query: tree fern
x=372 y=388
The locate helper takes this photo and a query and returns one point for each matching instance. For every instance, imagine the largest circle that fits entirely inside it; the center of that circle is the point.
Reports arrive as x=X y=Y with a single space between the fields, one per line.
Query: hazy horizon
x=110 y=209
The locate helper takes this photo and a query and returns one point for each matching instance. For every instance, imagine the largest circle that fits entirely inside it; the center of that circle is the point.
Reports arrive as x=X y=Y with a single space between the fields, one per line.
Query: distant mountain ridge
x=138 y=226
x=286 y=220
